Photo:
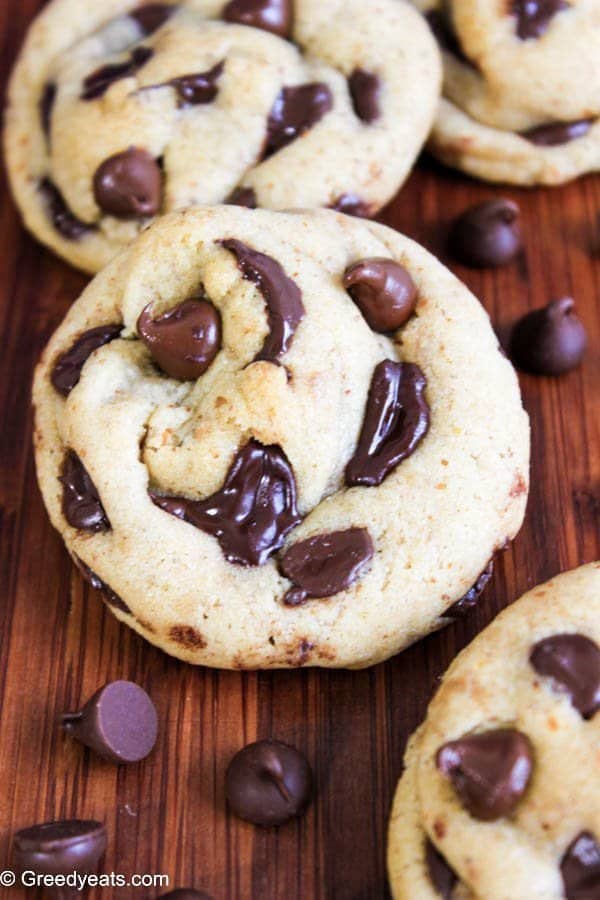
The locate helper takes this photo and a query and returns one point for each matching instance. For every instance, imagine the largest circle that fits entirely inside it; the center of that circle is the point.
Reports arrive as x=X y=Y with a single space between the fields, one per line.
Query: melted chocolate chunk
x=489 y=771
x=129 y=184
x=557 y=132
x=283 y=297
x=396 y=421
x=572 y=661
x=46 y=105
x=550 y=340
x=96 y=582
x=81 y=503
x=243 y=196
x=325 y=564
x=66 y=223
x=252 y=513
x=60 y=848
x=445 y=36
x=67 y=368
x=365 y=89
x=98 y=82
x=295 y=110
x=441 y=875
x=202 y=87
x=384 y=292
x=270 y=15
x=580 y=868
x=466 y=603
x=151 y=16
x=184 y=341
x=352 y=205
x=534 y=16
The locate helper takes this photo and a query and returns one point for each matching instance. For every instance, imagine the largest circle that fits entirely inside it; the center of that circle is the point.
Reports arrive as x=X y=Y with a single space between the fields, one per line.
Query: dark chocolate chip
x=96 y=582
x=243 y=196
x=151 y=16
x=295 y=110
x=487 y=235
x=129 y=184
x=199 y=88
x=441 y=875
x=325 y=564
x=365 y=88
x=396 y=421
x=67 y=368
x=466 y=603
x=352 y=205
x=46 y=105
x=60 y=848
x=252 y=513
x=557 y=133
x=445 y=36
x=580 y=868
x=549 y=341
x=185 y=894
x=283 y=297
x=97 y=83
x=119 y=723
x=268 y=783
x=81 y=503
x=534 y=16
x=573 y=663
x=270 y=15
x=489 y=771
x=184 y=341
x=66 y=223
x=384 y=292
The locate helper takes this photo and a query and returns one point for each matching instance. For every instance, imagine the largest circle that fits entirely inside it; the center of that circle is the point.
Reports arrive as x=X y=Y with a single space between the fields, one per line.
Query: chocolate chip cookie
x=274 y=439
x=521 y=98
x=121 y=111
x=500 y=797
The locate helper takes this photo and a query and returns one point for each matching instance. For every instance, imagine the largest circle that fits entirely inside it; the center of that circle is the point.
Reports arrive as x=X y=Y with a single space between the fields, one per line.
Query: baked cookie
x=280 y=439
x=521 y=88
x=119 y=112
x=500 y=798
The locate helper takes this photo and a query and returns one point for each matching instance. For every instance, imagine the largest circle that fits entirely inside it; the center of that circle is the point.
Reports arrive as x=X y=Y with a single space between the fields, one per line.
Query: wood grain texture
x=58 y=643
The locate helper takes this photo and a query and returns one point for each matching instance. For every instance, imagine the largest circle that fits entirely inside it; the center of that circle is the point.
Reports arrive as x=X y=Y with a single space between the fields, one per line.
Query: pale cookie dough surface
x=209 y=150
x=492 y=684
x=498 y=86
x=434 y=521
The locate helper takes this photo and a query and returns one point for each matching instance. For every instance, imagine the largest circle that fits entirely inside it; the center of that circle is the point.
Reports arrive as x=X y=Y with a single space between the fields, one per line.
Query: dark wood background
x=58 y=643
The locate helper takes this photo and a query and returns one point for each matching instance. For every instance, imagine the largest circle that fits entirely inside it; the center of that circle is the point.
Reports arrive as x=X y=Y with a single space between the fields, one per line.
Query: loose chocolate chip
x=60 y=848
x=396 y=421
x=580 y=868
x=151 y=16
x=129 y=184
x=183 y=341
x=96 y=582
x=185 y=894
x=295 y=110
x=97 y=83
x=270 y=15
x=489 y=771
x=202 y=87
x=557 y=133
x=118 y=723
x=67 y=368
x=325 y=564
x=46 y=105
x=283 y=297
x=466 y=603
x=383 y=291
x=365 y=88
x=549 y=341
x=441 y=875
x=243 y=196
x=445 y=35
x=252 y=513
x=81 y=504
x=573 y=662
x=352 y=205
x=268 y=783
x=534 y=16
x=487 y=235
x=65 y=222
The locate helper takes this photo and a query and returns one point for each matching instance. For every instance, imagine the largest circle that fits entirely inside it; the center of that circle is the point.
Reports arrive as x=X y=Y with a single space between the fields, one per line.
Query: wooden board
x=58 y=643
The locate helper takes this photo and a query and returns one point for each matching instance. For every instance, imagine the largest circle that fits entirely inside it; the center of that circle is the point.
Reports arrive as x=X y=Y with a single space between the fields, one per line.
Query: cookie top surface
x=501 y=797
x=119 y=112
x=255 y=475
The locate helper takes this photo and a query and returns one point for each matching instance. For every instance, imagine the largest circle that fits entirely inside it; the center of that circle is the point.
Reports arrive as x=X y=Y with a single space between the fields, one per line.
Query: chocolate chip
x=573 y=662
x=365 y=89
x=252 y=513
x=270 y=15
x=97 y=83
x=129 y=184
x=243 y=196
x=283 y=297
x=65 y=222
x=396 y=421
x=549 y=341
x=202 y=87
x=96 y=582
x=151 y=16
x=185 y=894
x=489 y=771
x=466 y=603
x=580 y=868
x=325 y=564
x=440 y=874
x=268 y=783
x=383 y=291
x=487 y=235
x=184 y=341
x=352 y=205
x=81 y=503
x=67 y=368
x=46 y=106
x=119 y=723
x=557 y=133
x=295 y=110
x=534 y=16
x=60 y=848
